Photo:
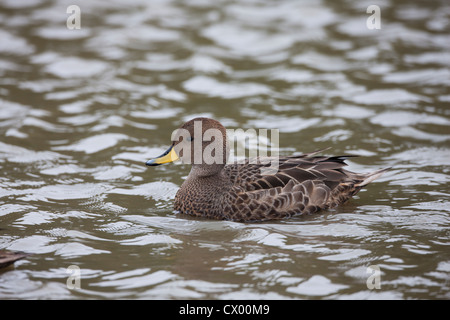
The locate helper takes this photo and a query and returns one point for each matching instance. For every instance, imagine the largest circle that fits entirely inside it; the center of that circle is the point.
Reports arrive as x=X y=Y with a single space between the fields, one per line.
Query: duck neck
x=205 y=171
x=207 y=180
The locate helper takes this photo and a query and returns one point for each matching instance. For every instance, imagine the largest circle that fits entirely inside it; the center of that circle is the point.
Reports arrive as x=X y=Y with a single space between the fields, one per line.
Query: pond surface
x=82 y=110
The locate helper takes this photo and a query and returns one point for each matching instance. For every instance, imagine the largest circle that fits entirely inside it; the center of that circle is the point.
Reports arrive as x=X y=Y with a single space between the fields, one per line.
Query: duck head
x=201 y=142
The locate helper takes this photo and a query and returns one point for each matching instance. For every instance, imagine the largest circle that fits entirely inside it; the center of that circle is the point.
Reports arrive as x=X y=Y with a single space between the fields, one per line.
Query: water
x=82 y=110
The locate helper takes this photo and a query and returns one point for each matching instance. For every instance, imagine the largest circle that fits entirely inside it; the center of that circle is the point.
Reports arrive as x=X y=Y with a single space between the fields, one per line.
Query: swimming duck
x=254 y=190
x=9 y=257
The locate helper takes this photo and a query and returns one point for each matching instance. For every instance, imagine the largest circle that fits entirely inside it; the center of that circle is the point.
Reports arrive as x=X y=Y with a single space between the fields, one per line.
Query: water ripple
x=82 y=110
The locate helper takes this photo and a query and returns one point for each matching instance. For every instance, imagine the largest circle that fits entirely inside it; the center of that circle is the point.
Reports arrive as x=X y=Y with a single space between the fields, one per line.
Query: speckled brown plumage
x=302 y=184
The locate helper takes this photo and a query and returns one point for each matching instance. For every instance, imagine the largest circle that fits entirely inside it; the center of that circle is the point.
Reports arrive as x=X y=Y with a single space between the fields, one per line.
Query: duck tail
x=368 y=178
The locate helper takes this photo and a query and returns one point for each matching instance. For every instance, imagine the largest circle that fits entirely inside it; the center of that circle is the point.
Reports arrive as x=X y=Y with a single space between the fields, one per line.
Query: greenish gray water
x=82 y=110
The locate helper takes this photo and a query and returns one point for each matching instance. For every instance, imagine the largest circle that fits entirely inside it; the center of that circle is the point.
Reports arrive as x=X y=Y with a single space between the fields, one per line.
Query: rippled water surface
x=82 y=110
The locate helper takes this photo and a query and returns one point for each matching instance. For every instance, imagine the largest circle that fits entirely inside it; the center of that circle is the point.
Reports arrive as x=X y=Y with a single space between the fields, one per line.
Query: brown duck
x=248 y=191
x=9 y=257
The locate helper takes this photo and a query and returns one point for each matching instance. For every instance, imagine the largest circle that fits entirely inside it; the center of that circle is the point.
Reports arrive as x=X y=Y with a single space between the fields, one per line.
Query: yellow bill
x=169 y=156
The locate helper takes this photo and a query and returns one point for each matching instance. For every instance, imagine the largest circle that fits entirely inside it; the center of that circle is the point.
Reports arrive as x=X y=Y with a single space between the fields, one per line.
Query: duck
x=8 y=257
x=255 y=190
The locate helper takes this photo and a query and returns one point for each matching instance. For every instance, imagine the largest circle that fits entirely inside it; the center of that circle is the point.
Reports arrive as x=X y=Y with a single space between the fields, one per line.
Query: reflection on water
x=82 y=110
